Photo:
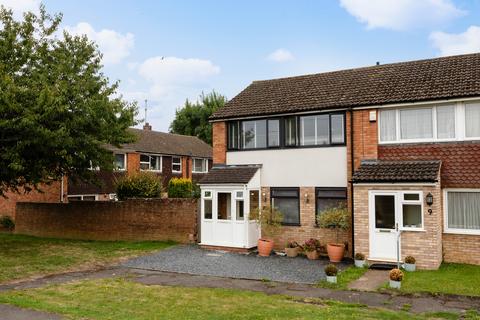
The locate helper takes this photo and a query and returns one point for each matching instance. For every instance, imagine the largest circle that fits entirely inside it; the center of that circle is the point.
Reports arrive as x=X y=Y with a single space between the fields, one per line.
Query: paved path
x=194 y=260
x=370 y=281
x=8 y=312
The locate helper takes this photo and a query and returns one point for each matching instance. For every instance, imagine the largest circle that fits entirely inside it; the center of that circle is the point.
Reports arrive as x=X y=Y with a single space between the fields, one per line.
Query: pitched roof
x=230 y=175
x=422 y=80
x=397 y=171
x=168 y=143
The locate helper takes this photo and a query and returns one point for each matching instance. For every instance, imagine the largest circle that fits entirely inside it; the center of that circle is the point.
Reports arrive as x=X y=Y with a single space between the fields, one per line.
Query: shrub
x=7 y=222
x=312 y=245
x=336 y=218
x=269 y=219
x=396 y=275
x=410 y=260
x=139 y=185
x=292 y=244
x=359 y=256
x=331 y=270
x=181 y=188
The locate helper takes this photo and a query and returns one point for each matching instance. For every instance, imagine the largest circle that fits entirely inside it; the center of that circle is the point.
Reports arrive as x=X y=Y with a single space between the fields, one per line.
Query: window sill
x=463 y=232
x=413 y=230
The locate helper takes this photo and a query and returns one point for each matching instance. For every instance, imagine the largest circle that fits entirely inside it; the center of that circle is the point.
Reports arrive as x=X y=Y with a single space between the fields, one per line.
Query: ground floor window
x=83 y=198
x=287 y=201
x=462 y=211
x=326 y=198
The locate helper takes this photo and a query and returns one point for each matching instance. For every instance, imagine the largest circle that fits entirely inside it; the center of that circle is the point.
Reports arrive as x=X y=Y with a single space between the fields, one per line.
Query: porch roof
x=230 y=174
x=397 y=171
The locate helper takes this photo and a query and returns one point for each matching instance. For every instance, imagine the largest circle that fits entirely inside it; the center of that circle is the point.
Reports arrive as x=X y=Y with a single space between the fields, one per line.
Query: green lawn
x=344 y=277
x=124 y=299
x=462 y=279
x=25 y=256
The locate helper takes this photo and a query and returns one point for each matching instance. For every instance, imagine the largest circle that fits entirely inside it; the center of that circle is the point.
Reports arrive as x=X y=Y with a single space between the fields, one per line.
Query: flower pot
x=312 y=255
x=291 y=252
x=409 y=267
x=332 y=279
x=395 y=284
x=335 y=251
x=265 y=247
x=359 y=263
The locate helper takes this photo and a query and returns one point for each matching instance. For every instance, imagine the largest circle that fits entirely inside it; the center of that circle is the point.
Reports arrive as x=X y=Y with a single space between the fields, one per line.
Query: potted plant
x=396 y=277
x=292 y=248
x=311 y=247
x=359 y=260
x=409 y=264
x=336 y=218
x=270 y=221
x=331 y=272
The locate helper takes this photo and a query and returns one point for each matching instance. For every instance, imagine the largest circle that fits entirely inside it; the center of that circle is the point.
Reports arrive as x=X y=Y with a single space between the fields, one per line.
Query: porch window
x=224 y=206
x=254 y=200
x=329 y=198
x=254 y=134
x=200 y=165
x=462 y=211
x=150 y=162
x=412 y=211
x=286 y=200
x=176 y=164
x=120 y=161
x=207 y=205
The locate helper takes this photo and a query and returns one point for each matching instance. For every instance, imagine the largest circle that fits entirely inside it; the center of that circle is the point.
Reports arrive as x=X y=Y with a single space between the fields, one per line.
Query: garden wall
x=138 y=219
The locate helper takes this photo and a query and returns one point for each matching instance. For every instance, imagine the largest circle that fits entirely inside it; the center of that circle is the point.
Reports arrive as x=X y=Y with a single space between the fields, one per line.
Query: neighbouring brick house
x=398 y=143
x=169 y=155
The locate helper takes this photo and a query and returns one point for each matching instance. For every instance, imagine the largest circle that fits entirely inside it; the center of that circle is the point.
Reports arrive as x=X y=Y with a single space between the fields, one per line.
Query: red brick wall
x=365 y=136
x=219 y=136
x=133 y=162
x=460 y=160
x=461 y=248
x=158 y=219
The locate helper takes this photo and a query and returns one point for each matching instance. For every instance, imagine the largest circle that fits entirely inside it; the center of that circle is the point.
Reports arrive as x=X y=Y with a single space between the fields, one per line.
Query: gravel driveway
x=193 y=260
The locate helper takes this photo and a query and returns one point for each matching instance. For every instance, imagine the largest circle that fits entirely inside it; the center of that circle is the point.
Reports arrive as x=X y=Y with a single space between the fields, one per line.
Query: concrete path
x=193 y=260
x=8 y=312
x=370 y=281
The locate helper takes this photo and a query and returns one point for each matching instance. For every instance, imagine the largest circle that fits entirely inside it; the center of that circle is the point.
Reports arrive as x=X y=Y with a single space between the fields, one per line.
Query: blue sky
x=224 y=45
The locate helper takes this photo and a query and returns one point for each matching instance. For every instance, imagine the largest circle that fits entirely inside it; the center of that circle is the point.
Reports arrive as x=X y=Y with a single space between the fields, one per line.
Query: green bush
x=7 y=222
x=139 y=185
x=182 y=188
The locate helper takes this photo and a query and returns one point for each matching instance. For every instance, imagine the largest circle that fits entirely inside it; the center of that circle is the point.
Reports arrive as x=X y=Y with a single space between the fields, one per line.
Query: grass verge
x=344 y=277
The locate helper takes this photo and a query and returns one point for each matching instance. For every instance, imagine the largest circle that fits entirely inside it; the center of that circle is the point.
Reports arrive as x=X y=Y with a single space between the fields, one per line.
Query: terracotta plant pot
x=312 y=255
x=291 y=252
x=335 y=252
x=265 y=247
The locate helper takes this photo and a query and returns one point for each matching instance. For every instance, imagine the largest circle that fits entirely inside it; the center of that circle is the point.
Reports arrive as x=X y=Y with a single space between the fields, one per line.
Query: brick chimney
x=147 y=126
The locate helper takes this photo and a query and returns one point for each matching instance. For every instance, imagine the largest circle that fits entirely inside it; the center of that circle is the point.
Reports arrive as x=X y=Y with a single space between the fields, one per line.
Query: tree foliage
x=192 y=118
x=58 y=110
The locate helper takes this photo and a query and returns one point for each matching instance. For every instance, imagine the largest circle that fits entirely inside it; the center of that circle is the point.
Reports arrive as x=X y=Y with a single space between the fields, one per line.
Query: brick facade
x=219 y=138
x=365 y=136
x=152 y=219
x=461 y=248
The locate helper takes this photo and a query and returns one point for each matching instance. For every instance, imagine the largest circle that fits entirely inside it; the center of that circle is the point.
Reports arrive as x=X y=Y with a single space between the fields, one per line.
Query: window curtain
x=388 y=125
x=416 y=123
x=464 y=210
x=446 y=122
x=338 y=135
x=472 y=120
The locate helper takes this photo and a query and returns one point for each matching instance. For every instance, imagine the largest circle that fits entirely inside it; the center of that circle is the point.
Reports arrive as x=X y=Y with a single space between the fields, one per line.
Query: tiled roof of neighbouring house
x=229 y=175
x=422 y=80
x=397 y=171
x=168 y=143
x=105 y=183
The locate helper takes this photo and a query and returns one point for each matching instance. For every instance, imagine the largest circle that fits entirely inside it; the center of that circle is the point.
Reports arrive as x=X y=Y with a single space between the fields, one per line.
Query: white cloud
x=281 y=55
x=113 y=45
x=401 y=14
x=457 y=43
x=20 y=6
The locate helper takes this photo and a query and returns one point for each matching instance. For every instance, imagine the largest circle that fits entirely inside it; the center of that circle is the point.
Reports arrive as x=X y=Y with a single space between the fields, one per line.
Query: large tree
x=192 y=118
x=57 y=109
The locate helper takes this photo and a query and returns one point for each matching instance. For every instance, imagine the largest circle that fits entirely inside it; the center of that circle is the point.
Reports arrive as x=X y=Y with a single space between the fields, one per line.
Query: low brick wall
x=461 y=248
x=149 y=219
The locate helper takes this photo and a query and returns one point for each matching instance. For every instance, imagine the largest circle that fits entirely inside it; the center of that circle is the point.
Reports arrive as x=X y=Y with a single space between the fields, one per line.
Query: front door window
x=224 y=207
x=385 y=211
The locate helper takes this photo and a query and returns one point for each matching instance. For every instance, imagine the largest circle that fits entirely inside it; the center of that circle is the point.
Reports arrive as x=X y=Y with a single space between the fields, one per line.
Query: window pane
x=412 y=215
x=384 y=212
x=289 y=209
x=144 y=166
x=338 y=135
x=332 y=193
x=120 y=161
x=284 y=193
x=233 y=135
x=254 y=200
x=445 y=122
x=239 y=210
x=472 y=120
x=261 y=134
x=291 y=131
x=323 y=129
x=273 y=133
x=411 y=196
x=388 y=125
x=254 y=134
x=144 y=158
x=327 y=203
x=154 y=163
x=248 y=134
x=207 y=208
x=224 y=207
x=307 y=130
x=198 y=165
x=176 y=164
x=463 y=210
x=416 y=123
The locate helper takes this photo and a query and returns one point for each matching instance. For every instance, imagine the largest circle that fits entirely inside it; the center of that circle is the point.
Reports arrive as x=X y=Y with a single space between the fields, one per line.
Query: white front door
x=384 y=219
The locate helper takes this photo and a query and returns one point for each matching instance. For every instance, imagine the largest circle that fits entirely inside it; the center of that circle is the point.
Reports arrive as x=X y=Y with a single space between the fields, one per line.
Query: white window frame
x=459 y=124
x=463 y=114
x=177 y=171
x=124 y=161
x=83 y=195
x=446 y=229
x=402 y=201
x=205 y=162
x=149 y=155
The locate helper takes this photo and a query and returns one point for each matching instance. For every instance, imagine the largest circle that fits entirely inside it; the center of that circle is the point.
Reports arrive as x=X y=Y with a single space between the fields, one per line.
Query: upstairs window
x=233 y=135
x=150 y=162
x=176 y=164
x=200 y=165
x=274 y=133
x=254 y=134
x=120 y=161
x=290 y=131
x=472 y=120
